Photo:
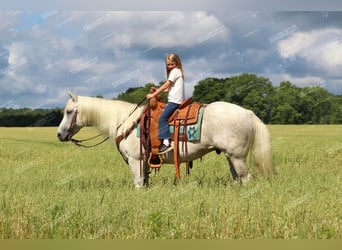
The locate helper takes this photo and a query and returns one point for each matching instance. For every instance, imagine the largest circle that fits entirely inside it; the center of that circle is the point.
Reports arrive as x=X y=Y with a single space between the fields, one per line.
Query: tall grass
x=50 y=189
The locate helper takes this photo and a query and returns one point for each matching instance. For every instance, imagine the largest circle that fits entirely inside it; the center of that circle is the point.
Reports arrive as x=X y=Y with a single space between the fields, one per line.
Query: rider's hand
x=149 y=96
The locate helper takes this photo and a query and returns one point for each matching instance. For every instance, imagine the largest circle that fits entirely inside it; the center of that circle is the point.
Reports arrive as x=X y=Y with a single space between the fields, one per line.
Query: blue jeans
x=163 y=124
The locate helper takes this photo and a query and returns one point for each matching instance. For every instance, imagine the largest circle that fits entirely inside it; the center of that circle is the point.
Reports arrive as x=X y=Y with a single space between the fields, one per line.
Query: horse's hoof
x=246 y=179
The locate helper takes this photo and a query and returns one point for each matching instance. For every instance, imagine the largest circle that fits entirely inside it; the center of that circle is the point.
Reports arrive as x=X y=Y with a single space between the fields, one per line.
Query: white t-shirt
x=176 y=91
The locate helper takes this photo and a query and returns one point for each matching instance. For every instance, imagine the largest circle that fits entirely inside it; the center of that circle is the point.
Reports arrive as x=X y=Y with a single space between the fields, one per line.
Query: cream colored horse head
x=70 y=123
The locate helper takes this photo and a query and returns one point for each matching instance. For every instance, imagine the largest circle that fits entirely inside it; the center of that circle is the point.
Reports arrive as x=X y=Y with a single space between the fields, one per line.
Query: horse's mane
x=108 y=115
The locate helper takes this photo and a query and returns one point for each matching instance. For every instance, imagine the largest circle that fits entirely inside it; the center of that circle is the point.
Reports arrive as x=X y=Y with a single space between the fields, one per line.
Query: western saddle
x=186 y=114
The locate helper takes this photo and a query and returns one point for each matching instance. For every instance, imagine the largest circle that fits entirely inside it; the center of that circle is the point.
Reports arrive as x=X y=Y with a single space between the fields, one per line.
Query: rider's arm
x=162 y=88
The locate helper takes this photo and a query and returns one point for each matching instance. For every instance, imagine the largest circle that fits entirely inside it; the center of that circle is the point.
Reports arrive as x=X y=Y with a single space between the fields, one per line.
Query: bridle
x=78 y=142
x=73 y=122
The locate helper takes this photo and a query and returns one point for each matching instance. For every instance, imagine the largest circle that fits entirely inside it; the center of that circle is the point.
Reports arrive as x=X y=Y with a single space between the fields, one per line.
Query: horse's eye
x=69 y=112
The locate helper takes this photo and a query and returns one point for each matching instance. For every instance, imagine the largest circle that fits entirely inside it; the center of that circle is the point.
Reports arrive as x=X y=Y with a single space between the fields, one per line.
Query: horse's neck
x=106 y=115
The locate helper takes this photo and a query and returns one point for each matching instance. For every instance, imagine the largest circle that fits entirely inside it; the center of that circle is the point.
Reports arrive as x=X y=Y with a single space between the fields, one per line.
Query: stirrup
x=152 y=163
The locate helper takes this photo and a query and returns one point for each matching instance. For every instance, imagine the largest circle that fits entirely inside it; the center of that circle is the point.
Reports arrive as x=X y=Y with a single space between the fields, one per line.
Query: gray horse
x=226 y=127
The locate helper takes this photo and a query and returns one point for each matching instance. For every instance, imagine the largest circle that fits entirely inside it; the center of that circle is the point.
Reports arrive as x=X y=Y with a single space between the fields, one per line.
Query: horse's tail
x=262 y=148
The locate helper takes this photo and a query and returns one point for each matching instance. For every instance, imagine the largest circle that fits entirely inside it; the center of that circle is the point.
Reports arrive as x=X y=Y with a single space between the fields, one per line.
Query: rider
x=174 y=85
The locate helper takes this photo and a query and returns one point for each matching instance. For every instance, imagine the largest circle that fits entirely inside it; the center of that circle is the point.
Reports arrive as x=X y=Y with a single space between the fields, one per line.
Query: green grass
x=50 y=189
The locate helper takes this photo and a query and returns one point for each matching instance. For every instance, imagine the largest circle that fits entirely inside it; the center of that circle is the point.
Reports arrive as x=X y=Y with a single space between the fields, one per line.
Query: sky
x=46 y=51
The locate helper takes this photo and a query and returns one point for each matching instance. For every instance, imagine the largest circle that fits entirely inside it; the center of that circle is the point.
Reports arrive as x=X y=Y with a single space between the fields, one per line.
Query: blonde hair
x=174 y=58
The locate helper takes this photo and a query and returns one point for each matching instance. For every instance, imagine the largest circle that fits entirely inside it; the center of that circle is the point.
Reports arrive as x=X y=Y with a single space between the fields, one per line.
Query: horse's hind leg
x=238 y=168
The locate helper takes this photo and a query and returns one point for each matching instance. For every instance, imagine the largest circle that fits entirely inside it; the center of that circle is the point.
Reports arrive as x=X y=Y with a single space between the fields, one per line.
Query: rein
x=133 y=110
x=119 y=138
x=79 y=142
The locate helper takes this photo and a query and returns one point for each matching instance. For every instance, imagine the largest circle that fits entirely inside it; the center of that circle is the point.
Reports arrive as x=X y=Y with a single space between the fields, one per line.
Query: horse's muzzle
x=63 y=138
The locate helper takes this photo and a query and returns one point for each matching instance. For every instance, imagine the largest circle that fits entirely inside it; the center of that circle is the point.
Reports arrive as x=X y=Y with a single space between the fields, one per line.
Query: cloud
x=9 y=20
x=298 y=81
x=320 y=48
x=3 y=59
x=45 y=54
x=150 y=30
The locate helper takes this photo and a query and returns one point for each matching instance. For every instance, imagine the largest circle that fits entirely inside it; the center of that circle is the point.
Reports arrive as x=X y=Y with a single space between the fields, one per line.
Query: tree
x=209 y=90
x=287 y=104
x=26 y=117
x=336 y=113
x=135 y=95
x=247 y=90
x=317 y=105
x=251 y=92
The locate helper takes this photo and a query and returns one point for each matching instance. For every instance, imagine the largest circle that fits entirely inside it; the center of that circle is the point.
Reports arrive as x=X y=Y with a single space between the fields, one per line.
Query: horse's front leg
x=137 y=169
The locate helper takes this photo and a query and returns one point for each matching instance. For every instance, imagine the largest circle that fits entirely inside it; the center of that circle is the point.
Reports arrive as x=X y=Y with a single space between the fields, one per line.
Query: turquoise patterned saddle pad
x=193 y=131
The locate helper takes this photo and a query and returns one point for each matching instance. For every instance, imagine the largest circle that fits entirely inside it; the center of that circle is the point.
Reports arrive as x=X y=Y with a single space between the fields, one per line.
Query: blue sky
x=45 y=51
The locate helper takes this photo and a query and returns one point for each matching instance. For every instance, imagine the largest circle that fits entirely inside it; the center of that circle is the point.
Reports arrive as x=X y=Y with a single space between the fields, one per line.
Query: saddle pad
x=193 y=131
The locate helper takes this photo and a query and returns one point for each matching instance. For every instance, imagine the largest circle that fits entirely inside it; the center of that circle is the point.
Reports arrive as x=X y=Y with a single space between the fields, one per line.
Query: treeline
x=26 y=117
x=283 y=104
x=286 y=104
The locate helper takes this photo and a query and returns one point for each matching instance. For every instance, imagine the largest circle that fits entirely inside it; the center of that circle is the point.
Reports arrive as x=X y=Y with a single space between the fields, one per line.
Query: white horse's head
x=70 y=123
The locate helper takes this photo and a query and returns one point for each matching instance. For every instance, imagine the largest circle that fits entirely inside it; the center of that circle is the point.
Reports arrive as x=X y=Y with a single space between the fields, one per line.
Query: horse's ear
x=73 y=97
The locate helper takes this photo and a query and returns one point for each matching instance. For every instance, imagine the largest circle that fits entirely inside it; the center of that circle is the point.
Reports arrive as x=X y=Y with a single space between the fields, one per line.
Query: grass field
x=50 y=189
